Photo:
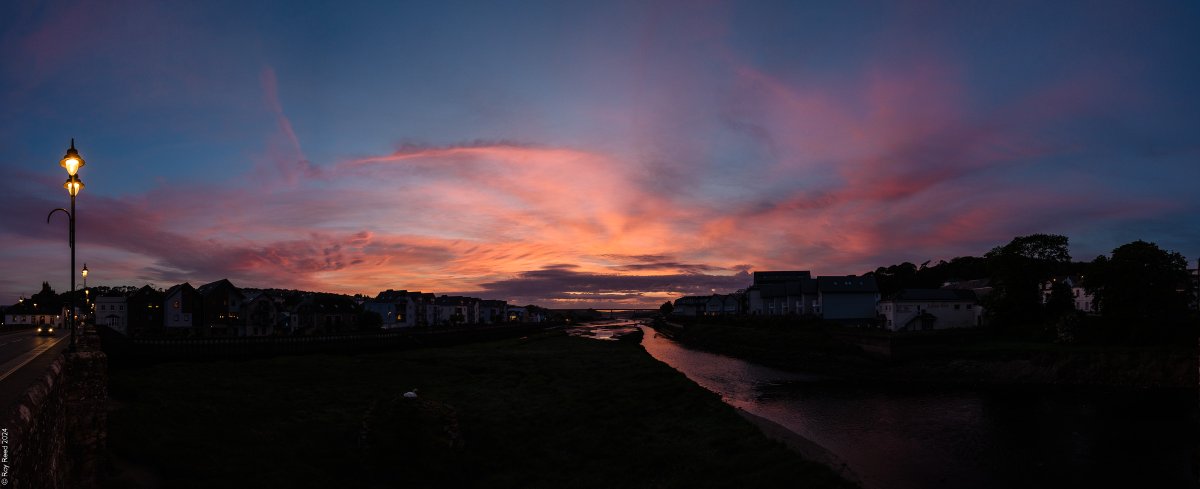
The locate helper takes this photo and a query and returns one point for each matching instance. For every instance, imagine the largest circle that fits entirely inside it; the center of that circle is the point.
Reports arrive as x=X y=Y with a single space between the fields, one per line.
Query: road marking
x=28 y=357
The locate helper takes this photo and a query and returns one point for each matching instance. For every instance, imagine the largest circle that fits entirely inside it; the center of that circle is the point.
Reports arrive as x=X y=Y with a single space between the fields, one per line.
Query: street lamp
x=72 y=162
x=87 y=297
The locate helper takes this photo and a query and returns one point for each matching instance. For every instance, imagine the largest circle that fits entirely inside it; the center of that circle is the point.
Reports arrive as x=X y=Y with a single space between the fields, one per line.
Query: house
x=402 y=309
x=692 y=305
x=260 y=311
x=26 y=312
x=394 y=308
x=526 y=314
x=456 y=310
x=111 y=311
x=789 y=298
x=847 y=298
x=724 y=304
x=516 y=314
x=492 y=311
x=42 y=309
x=782 y=293
x=220 y=308
x=1083 y=301
x=182 y=306
x=324 y=314
x=145 y=307
x=925 y=309
x=427 y=309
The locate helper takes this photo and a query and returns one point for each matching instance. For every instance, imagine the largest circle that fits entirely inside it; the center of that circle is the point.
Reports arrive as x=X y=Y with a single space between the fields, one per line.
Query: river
x=909 y=436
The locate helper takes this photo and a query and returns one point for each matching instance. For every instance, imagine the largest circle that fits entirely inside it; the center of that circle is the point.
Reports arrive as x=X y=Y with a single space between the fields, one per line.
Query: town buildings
x=847 y=298
x=926 y=309
x=222 y=309
x=783 y=294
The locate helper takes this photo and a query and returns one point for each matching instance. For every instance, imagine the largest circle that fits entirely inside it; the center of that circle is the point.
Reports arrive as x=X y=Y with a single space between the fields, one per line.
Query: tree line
x=1141 y=292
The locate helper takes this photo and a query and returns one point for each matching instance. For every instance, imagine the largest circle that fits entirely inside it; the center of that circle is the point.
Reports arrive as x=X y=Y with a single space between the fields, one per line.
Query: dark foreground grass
x=548 y=411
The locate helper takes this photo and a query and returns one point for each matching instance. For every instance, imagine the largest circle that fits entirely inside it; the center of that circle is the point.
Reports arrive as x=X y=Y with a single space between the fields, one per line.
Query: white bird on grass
x=411 y=394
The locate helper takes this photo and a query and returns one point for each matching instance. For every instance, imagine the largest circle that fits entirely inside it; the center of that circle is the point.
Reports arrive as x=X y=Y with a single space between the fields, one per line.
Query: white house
x=111 y=311
x=20 y=317
x=1083 y=300
x=924 y=309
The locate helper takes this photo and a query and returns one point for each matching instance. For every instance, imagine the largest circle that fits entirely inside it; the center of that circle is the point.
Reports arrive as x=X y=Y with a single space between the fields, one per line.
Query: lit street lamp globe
x=72 y=161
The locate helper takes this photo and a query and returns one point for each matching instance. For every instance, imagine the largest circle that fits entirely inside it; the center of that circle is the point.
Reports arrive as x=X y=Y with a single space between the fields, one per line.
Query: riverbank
x=547 y=410
x=799 y=444
x=810 y=348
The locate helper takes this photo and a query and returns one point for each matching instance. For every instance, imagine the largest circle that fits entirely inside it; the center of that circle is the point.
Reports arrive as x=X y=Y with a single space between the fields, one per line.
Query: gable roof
x=146 y=293
x=692 y=300
x=185 y=286
x=211 y=287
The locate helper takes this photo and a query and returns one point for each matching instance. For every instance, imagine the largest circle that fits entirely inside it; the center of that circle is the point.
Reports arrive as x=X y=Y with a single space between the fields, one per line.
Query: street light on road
x=72 y=162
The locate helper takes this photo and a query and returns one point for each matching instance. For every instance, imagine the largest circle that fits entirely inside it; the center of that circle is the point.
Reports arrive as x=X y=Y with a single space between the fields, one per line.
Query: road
x=24 y=357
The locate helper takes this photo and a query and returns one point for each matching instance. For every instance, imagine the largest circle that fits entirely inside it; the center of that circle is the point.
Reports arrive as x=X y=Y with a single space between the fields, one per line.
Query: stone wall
x=56 y=431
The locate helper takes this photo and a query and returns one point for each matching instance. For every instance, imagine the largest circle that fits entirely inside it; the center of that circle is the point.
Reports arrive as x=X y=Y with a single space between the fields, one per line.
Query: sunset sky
x=585 y=153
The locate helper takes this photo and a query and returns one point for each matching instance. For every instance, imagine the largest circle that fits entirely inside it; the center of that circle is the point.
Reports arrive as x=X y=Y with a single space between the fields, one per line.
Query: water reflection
x=913 y=436
x=607 y=330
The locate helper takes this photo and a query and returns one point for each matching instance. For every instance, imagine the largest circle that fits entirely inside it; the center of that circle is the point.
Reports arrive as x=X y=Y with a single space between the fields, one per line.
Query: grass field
x=546 y=411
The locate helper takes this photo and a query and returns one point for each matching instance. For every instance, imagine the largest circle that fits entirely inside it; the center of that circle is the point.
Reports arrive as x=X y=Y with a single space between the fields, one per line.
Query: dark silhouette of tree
x=909 y=276
x=666 y=308
x=1142 y=290
x=1018 y=270
x=47 y=300
x=892 y=279
x=1061 y=301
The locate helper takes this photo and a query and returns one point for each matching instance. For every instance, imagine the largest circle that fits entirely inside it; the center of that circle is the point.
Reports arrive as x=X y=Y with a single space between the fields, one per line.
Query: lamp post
x=87 y=296
x=72 y=162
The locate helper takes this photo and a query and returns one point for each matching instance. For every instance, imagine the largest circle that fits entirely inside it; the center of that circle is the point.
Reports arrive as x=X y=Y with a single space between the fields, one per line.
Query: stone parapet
x=55 y=433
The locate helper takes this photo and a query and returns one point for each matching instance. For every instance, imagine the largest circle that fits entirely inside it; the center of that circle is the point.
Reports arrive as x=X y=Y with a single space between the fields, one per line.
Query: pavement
x=24 y=358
